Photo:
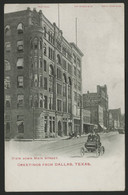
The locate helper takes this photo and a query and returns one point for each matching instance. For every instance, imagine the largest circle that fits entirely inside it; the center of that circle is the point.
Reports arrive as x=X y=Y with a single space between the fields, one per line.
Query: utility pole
x=58 y=16
x=76 y=30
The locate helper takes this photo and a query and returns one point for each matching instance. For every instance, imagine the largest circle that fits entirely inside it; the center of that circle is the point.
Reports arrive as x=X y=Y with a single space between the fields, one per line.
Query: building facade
x=97 y=104
x=42 y=74
x=115 y=119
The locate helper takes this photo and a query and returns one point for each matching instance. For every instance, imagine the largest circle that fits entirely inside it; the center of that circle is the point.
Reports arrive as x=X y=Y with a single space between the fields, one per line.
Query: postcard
x=64 y=120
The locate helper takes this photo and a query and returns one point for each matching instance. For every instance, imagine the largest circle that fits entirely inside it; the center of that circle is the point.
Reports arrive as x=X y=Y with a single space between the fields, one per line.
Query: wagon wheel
x=102 y=150
x=97 y=152
x=82 y=151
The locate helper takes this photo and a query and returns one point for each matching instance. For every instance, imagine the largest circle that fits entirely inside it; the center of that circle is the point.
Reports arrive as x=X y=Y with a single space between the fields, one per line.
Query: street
x=113 y=143
x=55 y=164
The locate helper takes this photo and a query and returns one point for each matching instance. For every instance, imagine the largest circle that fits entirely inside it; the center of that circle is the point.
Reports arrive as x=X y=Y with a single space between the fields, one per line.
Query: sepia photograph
x=64 y=109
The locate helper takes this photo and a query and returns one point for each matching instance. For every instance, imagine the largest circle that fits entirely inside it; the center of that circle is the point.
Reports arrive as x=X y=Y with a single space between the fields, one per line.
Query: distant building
x=97 y=104
x=114 y=119
x=87 y=126
x=42 y=78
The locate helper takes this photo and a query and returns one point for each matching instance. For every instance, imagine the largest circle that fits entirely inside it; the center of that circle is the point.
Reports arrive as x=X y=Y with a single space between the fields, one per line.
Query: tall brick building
x=97 y=104
x=42 y=78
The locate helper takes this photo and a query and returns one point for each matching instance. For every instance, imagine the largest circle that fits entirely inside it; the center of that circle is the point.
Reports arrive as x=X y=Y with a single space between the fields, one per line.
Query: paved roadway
x=113 y=143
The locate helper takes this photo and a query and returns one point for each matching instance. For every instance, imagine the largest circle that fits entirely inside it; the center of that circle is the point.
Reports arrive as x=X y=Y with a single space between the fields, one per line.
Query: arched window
x=7 y=30
x=20 y=28
x=35 y=43
x=58 y=59
x=7 y=65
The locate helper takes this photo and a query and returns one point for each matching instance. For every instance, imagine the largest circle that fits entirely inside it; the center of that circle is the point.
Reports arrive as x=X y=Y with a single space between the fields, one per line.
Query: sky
x=100 y=37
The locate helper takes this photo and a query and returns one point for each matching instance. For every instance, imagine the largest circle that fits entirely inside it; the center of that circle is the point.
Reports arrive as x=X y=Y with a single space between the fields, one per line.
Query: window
x=31 y=101
x=58 y=59
x=7 y=65
x=45 y=123
x=74 y=70
x=7 y=101
x=51 y=103
x=20 y=123
x=35 y=62
x=75 y=96
x=41 y=100
x=58 y=45
x=69 y=56
x=74 y=58
x=7 y=30
x=45 y=101
x=35 y=43
x=79 y=86
x=40 y=63
x=40 y=80
x=51 y=80
x=69 y=107
x=64 y=106
x=7 y=84
x=8 y=127
x=20 y=63
x=20 y=100
x=45 y=49
x=8 y=46
x=64 y=85
x=40 y=45
x=78 y=62
x=45 y=83
x=44 y=31
x=20 y=45
x=75 y=83
x=36 y=100
x=45 y=67
x=69 y=88
x=20 y=81
x=78 y=74
x=58 y=105
x=59 y=88
x=69 y=69
x=64 y=51
x=59 y=76
x=64 y=63
x=35 y=80
x=20 y=28
x=51 y=54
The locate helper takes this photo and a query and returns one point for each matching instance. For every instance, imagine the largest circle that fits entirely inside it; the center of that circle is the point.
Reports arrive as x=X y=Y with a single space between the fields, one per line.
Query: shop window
x=20 y=123
x=7 y=83
x=20 y=63
x=20 y=100
x=20 y=82
x=8 y=46
x=7 y=30
x=20 y=28
x=20 y=45
x=7 y=101
x=7 y=65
